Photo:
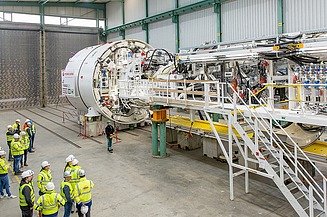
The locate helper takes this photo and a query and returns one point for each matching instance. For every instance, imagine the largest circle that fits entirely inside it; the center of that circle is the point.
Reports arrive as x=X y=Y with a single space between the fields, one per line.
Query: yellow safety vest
x=16 y=126
x=71 y=190
x=49 y=203
x=3 y=166
x=22 y=200
x=17 y=148
x=74 y=173
x=26 y=142
x=83 y=190
x=9 y=137
x=42 y=179
x=33 y=129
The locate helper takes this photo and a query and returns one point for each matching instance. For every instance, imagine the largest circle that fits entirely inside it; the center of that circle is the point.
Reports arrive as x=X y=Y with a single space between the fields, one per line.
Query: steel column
x=154 y=139
x=280 y=16
x=163 y=140
x=145 y=26
x=217 y=10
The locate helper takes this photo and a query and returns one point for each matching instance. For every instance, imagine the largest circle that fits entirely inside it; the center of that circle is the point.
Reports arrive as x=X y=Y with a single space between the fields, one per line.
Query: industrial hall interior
x=167 y=108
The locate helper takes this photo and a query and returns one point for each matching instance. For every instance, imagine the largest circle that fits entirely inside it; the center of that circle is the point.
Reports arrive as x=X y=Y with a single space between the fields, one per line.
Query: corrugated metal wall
x=159 y=6
x=304 y=15
x=247 y=19
x=114 y=14
x=134 y=10
x=197 y=28
x=135 y=33
x=187 y=2
x=19 y=68
x=114 y=37
x=21 y=9
x=163 y=35
x=60 y=47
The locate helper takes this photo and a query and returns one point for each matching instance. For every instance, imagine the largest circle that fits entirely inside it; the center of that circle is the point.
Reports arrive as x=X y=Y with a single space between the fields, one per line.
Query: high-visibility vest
x=49 y=203
x=3 y=166
x=26 y=142
x=22 y=199
x=33 y=129
x=16 y=127
x=71 y=190
x=74 y=173
x=9 y=137
x=17 y=148
x=83 y=190
x=42 y=179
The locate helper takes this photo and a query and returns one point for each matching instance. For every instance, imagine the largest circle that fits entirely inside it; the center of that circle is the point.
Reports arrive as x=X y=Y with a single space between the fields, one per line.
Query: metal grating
x=59 y=48
x=19 y=69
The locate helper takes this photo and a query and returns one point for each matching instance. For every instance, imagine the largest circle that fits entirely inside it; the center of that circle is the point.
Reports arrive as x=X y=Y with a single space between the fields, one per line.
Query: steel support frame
x=54 y=4
x=217 y=10
x=280 y=16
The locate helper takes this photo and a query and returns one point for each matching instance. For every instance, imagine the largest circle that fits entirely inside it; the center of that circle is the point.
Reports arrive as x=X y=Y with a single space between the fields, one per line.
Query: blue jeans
x=68 y=209
x=16 y=162
x=109 y=143
x=4 y=184
x=52 y=215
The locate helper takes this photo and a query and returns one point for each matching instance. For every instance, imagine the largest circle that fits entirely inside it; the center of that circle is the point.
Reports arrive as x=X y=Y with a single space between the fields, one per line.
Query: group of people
x=20 y=141
x=75 y=188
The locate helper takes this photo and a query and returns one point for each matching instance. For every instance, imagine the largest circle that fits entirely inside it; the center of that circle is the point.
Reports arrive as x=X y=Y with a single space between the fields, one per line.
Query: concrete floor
x=130 y=182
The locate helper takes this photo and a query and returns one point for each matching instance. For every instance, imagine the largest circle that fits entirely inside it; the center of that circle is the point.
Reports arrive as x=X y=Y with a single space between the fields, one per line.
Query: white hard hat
x=44 y=164
x=84 y=209
x=27 y=173
x=70 y=158
x=50 y=186
x=67 y=174
x=16 y=136
x=74 y=162
x=23 y=133
x=2 y=152
x=17 y=120
x=29 y=123
x=27 y=120
x=81 y=172
x=9 y=126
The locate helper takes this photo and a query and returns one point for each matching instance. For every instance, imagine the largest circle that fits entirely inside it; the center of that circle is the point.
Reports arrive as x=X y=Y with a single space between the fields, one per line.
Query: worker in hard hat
x=25 y=124
x=10 y=136
x=4 y=179
x=26 y=144
x=49 y=203
x=17 y=150
x=33 y=134
x=83 y=195
x=26 y=194
x=67 y=192
x=28 y=130
x=110 y=131
x=74 y=169
x=69 y=161
x=44 y=177
x=16 y=126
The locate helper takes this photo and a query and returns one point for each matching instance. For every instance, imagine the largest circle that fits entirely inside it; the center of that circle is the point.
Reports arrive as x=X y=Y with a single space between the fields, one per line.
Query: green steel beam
x=176 y=21
x=217 y=10
x=145 y=26
x=55 y=4
x=166 y=15
x=280 y=16
x=122 y=31
x=41 y=9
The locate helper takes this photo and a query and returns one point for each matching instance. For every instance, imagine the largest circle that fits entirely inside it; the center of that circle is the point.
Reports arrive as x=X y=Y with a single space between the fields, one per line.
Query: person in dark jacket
x=67 y=192
x=110 y=131
x=26 y=194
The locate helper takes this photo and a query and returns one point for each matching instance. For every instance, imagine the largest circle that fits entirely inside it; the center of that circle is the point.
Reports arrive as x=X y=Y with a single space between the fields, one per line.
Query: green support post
x=217 y=10
x=154 y=139
x=163 y=140
x=176 y=21
x=280 y=16
x=145 y=26
x=122 y=31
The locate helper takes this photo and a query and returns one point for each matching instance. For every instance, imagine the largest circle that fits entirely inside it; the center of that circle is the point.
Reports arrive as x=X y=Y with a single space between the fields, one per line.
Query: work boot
x=26 y=164
x=111 y=151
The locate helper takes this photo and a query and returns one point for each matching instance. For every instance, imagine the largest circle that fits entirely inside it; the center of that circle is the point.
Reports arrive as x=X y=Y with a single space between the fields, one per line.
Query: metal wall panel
x=135 y=33
x=187 y=2
x=114 y=37
x=59 y=48
x=305 y=15
x=114 y=14
x=198 y=27
x=71 y=11
x=159 y=6
x=163 y=35
x=134 y=10
x=19 y=68
x=21 y=9
x=248 y=19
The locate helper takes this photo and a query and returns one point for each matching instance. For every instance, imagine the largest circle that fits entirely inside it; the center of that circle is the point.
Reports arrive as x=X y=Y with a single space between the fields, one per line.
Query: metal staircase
x=280 y=162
